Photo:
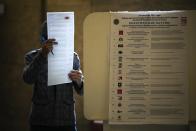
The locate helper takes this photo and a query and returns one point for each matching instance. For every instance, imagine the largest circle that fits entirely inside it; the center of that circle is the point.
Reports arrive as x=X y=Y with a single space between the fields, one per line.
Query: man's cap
x=44 y=34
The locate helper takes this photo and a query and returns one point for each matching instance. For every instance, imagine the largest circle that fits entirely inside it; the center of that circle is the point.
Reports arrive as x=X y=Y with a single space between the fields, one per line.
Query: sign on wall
x=148 y=68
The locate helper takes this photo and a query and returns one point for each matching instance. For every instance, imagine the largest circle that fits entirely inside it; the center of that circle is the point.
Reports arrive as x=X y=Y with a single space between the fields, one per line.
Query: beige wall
x=19 y=32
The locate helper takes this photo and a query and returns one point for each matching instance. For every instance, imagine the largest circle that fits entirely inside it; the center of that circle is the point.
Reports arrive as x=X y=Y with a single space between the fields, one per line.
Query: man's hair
x=43 y=35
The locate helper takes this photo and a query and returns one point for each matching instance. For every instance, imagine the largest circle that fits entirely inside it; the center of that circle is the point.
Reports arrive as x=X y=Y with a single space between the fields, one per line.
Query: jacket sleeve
x=76 y=66
x=33 y=63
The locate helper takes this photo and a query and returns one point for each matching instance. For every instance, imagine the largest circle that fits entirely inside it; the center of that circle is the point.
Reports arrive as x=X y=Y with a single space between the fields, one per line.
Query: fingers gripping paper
x=60 y=27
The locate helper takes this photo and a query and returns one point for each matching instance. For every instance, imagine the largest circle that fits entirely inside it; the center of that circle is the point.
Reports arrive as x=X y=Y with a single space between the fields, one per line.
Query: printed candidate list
x=148 y=68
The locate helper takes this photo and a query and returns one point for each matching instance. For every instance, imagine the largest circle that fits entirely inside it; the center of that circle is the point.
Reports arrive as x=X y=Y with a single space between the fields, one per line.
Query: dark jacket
x=51 y=105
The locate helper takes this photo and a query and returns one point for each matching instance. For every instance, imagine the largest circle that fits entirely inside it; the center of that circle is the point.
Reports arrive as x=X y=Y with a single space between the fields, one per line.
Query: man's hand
x=76 y=75
x=47 y=47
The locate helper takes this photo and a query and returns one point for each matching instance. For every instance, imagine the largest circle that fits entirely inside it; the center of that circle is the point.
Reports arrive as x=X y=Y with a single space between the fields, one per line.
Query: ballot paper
x=60 y=26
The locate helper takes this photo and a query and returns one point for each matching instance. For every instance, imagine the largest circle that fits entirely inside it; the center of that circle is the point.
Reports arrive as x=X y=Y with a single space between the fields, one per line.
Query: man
x=52 y=106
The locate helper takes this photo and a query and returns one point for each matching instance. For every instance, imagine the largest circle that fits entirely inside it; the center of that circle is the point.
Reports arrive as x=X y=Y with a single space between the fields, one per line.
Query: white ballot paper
x=60 y=61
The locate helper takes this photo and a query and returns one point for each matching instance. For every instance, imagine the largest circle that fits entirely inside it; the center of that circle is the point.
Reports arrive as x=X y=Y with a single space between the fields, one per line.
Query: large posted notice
x=60 y=26
x=148 y=68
